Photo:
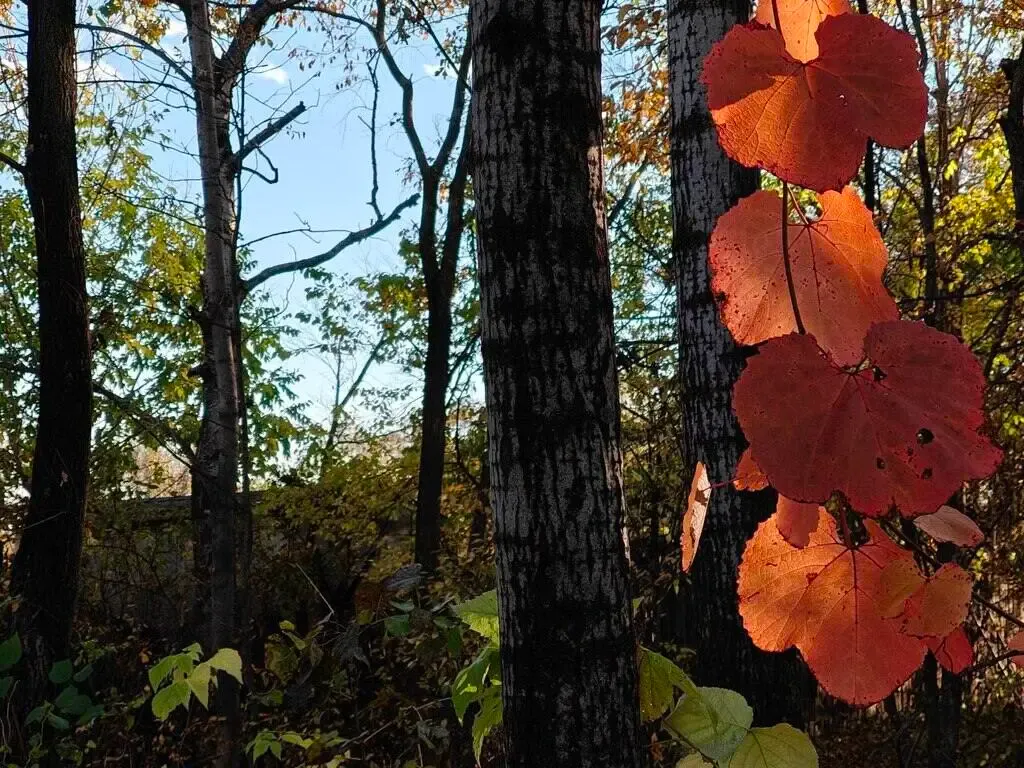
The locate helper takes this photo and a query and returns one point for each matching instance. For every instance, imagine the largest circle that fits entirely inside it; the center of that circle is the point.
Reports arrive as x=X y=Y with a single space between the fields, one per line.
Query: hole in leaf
x=880 y=462
x=879 y=373
x=925 y=436
x=927 y=474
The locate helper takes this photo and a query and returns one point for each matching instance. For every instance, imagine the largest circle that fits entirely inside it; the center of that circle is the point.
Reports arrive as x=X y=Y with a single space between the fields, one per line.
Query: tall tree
x=45 y=572
x=569 y=679
x=705 y=185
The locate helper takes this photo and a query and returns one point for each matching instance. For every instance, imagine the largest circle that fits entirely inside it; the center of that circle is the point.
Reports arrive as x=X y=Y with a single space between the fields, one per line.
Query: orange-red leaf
x=749 y=476
x=1017 y=644
x=900 y=579
x=796 y=520
x=902 y=432
x=809 y=123
x=951 y=525
x=953 y=652
x=693 y=517
x=823 y=600
x=837 y=264
x=800 y=20
x=939 y=605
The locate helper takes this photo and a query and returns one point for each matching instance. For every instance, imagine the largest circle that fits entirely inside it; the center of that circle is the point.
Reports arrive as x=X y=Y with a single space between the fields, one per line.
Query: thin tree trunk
x=705 y=185
x=45 y=570
x=1012 y=124
x=569 y=678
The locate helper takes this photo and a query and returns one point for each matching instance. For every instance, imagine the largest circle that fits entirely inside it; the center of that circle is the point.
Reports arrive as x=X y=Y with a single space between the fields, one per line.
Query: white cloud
x=175 y=28
x=274 y=74
x=90 y=68
x=432 y=70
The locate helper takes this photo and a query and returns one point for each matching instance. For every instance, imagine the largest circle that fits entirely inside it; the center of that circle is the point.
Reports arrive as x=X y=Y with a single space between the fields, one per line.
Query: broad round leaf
x=781 y=746
x=824 y=599
x=939 y=605
x=749 y=476
x=903 y=432
x=481 y=614
x=951 y=525
x=693 y=517
x=800 y=20
x=953 y=652
x=809 y=123
x=837 y=263
x=796 y=520
x=715 y=721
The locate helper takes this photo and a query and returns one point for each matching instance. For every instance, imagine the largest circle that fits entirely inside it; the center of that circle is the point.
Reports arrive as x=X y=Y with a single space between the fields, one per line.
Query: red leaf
x=809 y=123
x=796 y=520
x=693 y=517
x=951 y=525
x=953 y=652
x=903 y=432
x=800 y=19
x=823 y=600
x=939 y=605
x=837 y=264
x=900 y=580
x=749 y=476
x=1017 y=644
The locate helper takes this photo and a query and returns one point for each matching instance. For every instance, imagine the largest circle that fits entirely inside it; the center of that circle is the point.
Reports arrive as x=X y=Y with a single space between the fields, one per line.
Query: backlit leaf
x=951 y=525
x=781 y=746
x=808 y=123
x=693 y=517
x=796 y=520
x=749 y=476
x=659 y=678
x=823 y=599
x=953 y=652
x=901 y=432
x=715 y=721
x=800 y=19
x=1017 y=644
x=837 y=263
x=940 y=605
x=481 y=614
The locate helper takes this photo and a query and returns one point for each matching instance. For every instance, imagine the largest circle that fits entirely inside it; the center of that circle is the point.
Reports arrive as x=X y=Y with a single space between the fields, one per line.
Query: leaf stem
x=785 y=258
x=778 y=20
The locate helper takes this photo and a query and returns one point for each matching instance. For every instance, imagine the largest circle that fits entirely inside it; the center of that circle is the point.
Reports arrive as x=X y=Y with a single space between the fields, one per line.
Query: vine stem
x=785 y=257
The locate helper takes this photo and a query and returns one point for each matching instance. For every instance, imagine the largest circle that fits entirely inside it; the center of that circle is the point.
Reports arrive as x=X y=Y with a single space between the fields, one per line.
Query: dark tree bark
x=705 y=185
x=45 y=571
x=569 y=678
x=1012 y=123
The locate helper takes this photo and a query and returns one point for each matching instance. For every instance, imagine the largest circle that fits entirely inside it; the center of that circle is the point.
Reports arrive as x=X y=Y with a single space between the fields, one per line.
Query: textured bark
x=45 y=570
x=1012 y=123
x=705 y=185
x=569 y=685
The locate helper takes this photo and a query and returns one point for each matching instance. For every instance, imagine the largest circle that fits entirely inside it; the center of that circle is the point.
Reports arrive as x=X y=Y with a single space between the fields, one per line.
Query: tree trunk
x=705 y=185
x=1012 y=123
x=45 y=570
x=432 y=439
x=569 y=678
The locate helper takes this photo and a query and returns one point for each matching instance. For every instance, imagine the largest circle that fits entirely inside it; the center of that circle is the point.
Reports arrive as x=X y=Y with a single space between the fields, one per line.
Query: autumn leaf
x=796 y=520
x=939 y=605
x=808 y=123
x=901 y=432
x=951 y=525
x=953 y=652
x=1017 y=644
x=800 y=20
x=823 y=599
x=693 y=517
x=837 y=263
x=749 y=476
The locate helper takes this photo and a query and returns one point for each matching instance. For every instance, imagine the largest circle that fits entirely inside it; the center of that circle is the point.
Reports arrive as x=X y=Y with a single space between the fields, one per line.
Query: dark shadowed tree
x=569 y=679
x=45 y=572
x=705 y=184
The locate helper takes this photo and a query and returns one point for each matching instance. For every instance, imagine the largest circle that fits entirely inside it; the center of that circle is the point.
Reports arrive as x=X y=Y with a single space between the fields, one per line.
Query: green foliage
x=177 y=678
x=481 y=615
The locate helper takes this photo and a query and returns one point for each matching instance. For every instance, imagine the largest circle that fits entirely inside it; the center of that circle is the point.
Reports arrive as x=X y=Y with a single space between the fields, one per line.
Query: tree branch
x=154 y=49
x=262 y=137
x=315 y=261
x=248 y=32
x=11 y=163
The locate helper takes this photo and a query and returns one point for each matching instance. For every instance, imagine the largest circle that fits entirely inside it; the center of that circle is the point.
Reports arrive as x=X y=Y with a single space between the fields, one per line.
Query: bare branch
x=315 y=261
x=11 y=163
x=262 y=137
x=154 y=49
x=249 y=30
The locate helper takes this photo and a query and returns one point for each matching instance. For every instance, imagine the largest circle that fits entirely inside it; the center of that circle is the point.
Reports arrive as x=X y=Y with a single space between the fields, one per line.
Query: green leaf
x=481 y=614
x=170 y=698
x=57 y=722
x=199 y=682
x=61 y=671
x=469 y=684
x=694 y=760
x=93 y=712
x=290 y=737
x=659 y=678
x=397 y=625
x=227 y=661
x=71 y=702
x=486 y=719
x=781 y=746
x=161 y=670
x=10 y=652
x=83 y=674
x=714 y=721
